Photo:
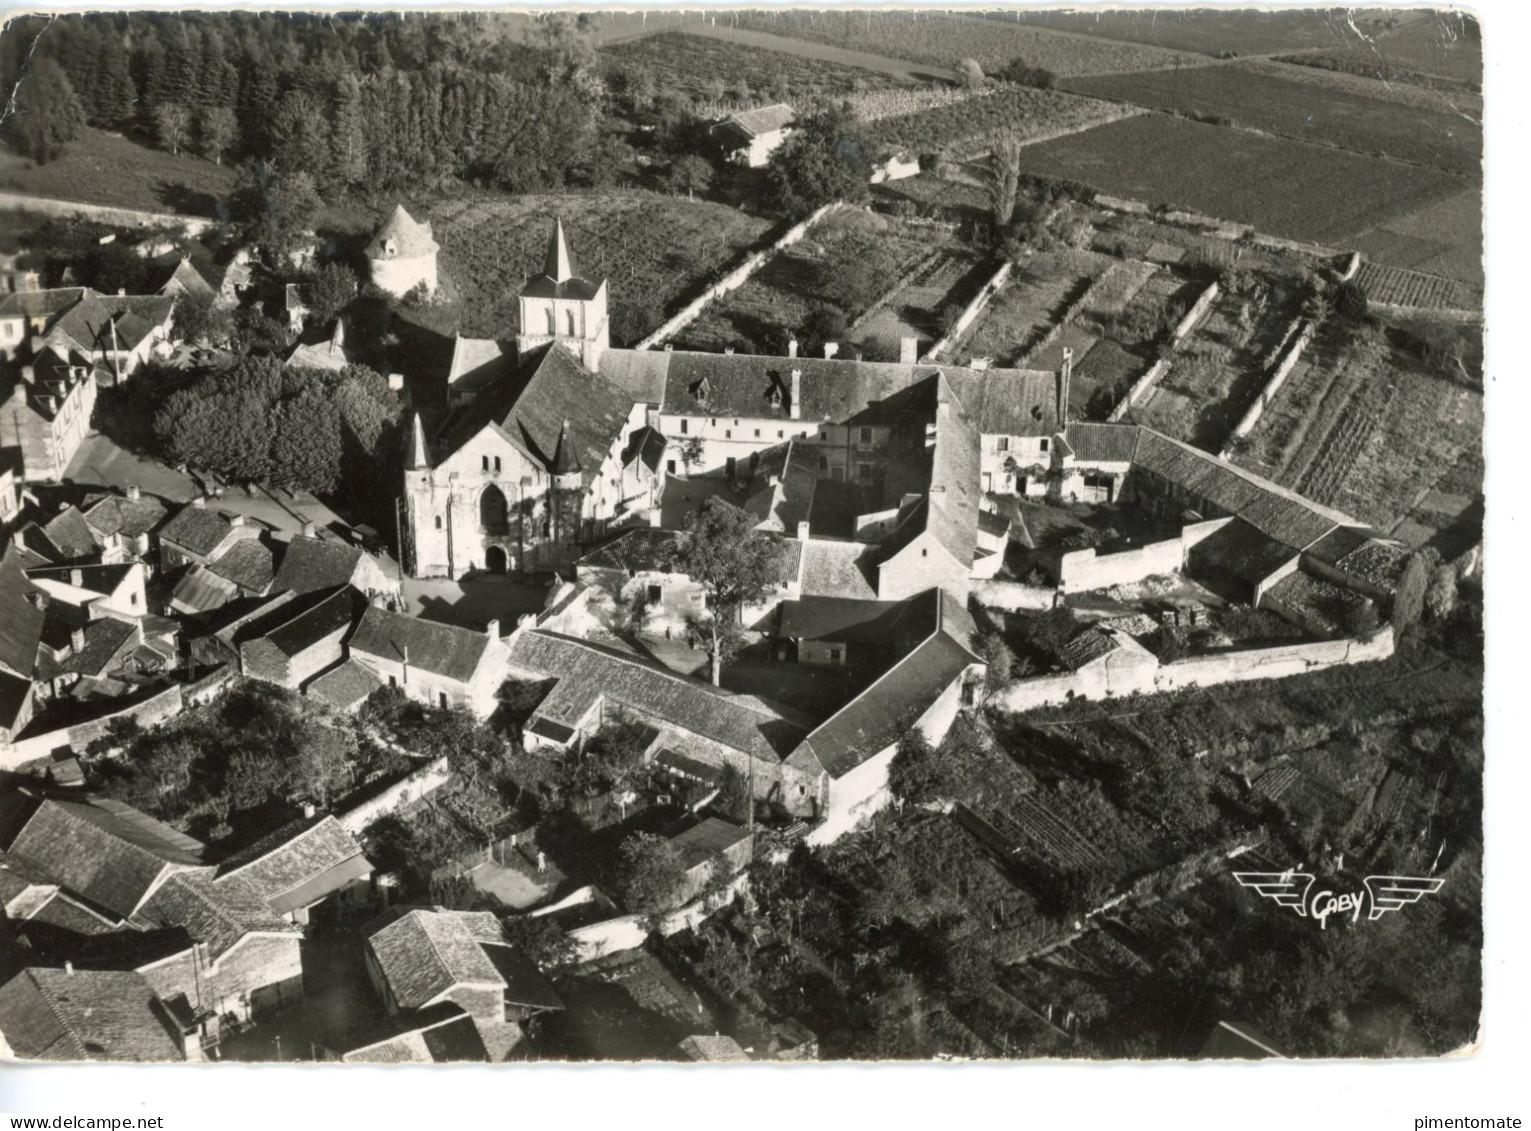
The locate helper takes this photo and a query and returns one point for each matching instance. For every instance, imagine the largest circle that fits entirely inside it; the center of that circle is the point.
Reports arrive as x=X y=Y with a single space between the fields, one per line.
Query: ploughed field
x=970 y=125
x=1282 y=187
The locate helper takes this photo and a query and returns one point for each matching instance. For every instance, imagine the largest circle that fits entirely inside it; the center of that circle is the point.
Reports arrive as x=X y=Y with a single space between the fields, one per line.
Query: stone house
x=440 y=665
x=751 y=136
x=46 y=414
x=307 y=637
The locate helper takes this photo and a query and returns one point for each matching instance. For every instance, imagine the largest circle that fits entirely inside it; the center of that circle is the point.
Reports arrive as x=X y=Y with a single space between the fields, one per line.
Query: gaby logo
x=1380 y=894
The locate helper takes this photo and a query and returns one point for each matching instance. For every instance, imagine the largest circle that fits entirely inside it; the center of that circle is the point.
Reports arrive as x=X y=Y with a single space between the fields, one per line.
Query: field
x=1261 y=100
x=1441 y=239
x=1282 y=187
x=951 y=278
x=1373 y=435
x=943 y=39
x=966 y=126
x=1441 y=49
x=849 y=261
x=106 y=168
x=1205 y=31
x=656 y=251
x=705 y=67
x=1396 y=286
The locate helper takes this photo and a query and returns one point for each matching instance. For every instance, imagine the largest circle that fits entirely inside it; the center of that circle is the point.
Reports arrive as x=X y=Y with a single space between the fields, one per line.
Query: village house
x=46 y=416
x=97 y=590
x=419 y=959
x=117 y=333
x=26 y=313
x=750 y=136
x=440 y=665
x=21 y=627
x=440 y=1034
x=198 y=534
x=707 y=847
x=308 y=638
x=89 y=1015
x=125 y=525
x=310 y=563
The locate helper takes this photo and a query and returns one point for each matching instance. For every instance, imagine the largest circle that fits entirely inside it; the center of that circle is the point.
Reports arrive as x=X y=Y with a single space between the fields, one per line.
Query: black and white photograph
x=742 y=535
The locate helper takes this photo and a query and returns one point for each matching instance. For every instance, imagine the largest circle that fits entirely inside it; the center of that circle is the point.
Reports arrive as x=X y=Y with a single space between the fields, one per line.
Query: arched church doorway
x=493 y=513
x=495 y=560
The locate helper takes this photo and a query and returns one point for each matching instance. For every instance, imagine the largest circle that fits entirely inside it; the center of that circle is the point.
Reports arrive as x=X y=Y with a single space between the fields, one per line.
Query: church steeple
x=558 y=266
x=417 y=455
x=565 y=458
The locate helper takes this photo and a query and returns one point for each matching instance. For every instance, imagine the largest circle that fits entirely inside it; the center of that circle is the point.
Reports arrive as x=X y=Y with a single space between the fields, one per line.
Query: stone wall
x=1278 y=378
x=407 y=791
x=1151 y=377
x=972 y=311
x=74 y=738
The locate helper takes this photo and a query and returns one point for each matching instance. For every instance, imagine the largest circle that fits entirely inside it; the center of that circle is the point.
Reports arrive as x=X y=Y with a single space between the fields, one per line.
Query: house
x=242 y=568
x=125 y=525
x=47 y=416
x=197 y=534
x=294 y=307
x=186 y=280
x=838 y=631
x=402 y=255
x=117 y=332
x=751 y=136
x=441 y=1034
x=90 y=1015
x=707 y=845
x=21 y=628
x=440 y=665
x=715 y=1049
x=293 y=651
x=97 y=590
x=310 y=564
x=297 y=867
x=895 y=168
x=419 y=959
x=328 y=353
x=201 y=274
x=344 y=687
x=25 y=313
x=100 y=658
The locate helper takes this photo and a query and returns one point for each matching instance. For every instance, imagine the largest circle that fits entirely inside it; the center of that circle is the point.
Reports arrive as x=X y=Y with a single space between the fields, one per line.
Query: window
x=863 y=471
x=497 y=463
x=392 y=682
x=669 y=466
x=728 y=434
x=486 y=462
x=133 y=599
x=442 y=699
x=547 y=528
x=866 y=435
x=685 y=427
x=823 y=463
x=757 y=433
x=924 y=553
x=438 y=522
x=552 y=324
x=656 y=594
x=1002 y=444
x=780 y=435
x=572 y=330
x=1044 y=443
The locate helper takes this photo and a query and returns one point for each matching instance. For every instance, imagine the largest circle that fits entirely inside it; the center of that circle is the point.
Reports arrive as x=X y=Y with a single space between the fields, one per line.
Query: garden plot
x=1395 y=286
x=920 y=310
x=848 y=261
x=1030 y=304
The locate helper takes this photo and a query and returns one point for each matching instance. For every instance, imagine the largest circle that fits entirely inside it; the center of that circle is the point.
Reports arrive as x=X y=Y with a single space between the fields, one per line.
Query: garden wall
x=74 y=738
x=1283 y=371
x=627 y=932
x=423 y=781
x=1011 y=596
x=735 y=278
x=1200 y=671
x=1197 y=312
x=974 y=309
x=1151 y=377
x=1086 y=569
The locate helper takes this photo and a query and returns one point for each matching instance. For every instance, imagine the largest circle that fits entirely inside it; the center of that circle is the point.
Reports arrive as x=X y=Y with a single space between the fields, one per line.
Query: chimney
x=29 y=374
x=200 y=502
x=1065 y=375
x=830 y=349
x=77 y=640
x=802 y=531
x=133 y=492
x=308 y=809
x=236 y=520
x=795 y=407
x=77 y=577
x=908 y=351
x=122 y=290
x=728 y=350
x=68 y=967
x=791 y=347
x=492 y=630
x=310 y=530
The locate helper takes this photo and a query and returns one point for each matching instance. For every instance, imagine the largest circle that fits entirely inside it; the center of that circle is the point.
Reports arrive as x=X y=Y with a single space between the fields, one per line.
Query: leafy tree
x=198 y=319
x=1442 y=595
x=826 y=158
x=916 y=773
x=1003 y=180
x=970 y=74
x=1409 y=600
x=650 y=877
x=734 y=800
x=690 y=174
x=324 y=765
x=172 y=125
x=45 y=113
x=735 y=565
x=1350 y=301
x=216 y=130
x=1000 y=660
x=329 y=290
x=825 y=323
x=275 y=209
x=1361 y=620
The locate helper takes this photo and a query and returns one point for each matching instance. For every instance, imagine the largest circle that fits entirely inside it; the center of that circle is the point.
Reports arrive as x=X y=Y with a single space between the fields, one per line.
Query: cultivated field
x=107 y=168
x=656 y=251
x=1030 y=304
x=943 y=39
x=849 y=261
x=1396 y=286
x=1268 y=102
x=968 y=126
x=1445 y=238
x=1206 y=31
x=1282 y=187
x=1439 y=50
x=1372 y=434
x=947 y=281
x=703 y=67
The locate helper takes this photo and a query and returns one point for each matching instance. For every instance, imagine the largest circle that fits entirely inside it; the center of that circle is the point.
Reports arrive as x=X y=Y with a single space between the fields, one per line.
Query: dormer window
x=774 y=397
x=390 y=248
x=1036 y=412
x=701 y=390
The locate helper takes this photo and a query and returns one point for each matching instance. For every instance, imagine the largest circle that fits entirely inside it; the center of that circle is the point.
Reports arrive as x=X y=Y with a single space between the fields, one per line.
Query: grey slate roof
x=344 y=686
x=197 y=529
x=1103 y=443
x=444 y=649
x=311 y=625
x=298 y=865
x=101 y=1015
x=21 y=622
x=411 y=238
x=118 y=514
x=753 y=123
x=247 y=564
x=218 y=915
x=423 y=954
x=310 y=564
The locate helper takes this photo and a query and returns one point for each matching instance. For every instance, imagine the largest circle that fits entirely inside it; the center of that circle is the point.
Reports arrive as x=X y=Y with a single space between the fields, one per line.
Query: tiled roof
x=102 y=579
x=21 y=622
x=716 y=1048
x=200 y=590
x=443 y=1034
x=1103 y=443
x=423 y=954
x=19 y=879
x=118 y=514
x=344 y=686
x=839 y=569
x=313 y=624
x=313 y=563
x=299 y=865
x=1324 y=601
x=69 y=531
x=410 y=237
x=87 y=324
x=106 y=639
x=949 y=509
x=186 y=279
x=558 y=278
x=646 y=444
x=1090 y=645
x=199 y=530
x=247 y=564
x=1274 y=510
x=1242 y=551
x=586 y=672
x=531 y=412
x=753 y=123
x=839 y=619
x=638 y=373
x=742 y=385
x=1009 y=402
x=39 y=304
x=706 y=839
x=789 y=500
x=218 y=915
x=882 y=713
x=479 y=362
x=444 y=649
x=99 y=1015
x=105 y=852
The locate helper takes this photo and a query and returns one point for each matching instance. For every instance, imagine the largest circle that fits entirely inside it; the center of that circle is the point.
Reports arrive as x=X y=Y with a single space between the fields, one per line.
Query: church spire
x=558 y=266
x=417 y=457
x=565 y=459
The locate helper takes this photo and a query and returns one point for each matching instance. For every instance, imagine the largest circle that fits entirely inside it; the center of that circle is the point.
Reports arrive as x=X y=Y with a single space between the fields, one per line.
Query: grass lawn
x=1271 y=103
x=1282 y=187
x=108 y=169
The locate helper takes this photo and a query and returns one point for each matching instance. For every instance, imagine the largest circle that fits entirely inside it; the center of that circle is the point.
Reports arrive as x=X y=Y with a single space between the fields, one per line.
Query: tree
x=916 y=772
x=330 y=290
x=1000 y=660
x=1004 y=178
x=172 y=125
x=275 y=209
x=1409 y=600
x=1361 y=620
x=324 y=762
x=651 y=878
x=826 y=158
x=826 y=322
x=735 y=565
x=970 y=74
x=1350 y=301
x=734 y=799
x=113 y=94
x=1442 y=595
x=690 y=174
x=198 y=319
x=45 y=113
x=217 y=131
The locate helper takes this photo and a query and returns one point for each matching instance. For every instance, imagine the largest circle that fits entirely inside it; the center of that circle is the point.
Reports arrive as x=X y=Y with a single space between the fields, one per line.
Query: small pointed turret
x=417 y=456
x=565 y=459
x=558 y=266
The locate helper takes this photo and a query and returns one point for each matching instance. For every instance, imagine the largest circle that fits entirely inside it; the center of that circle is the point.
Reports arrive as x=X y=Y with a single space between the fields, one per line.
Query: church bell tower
x=563 y=307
